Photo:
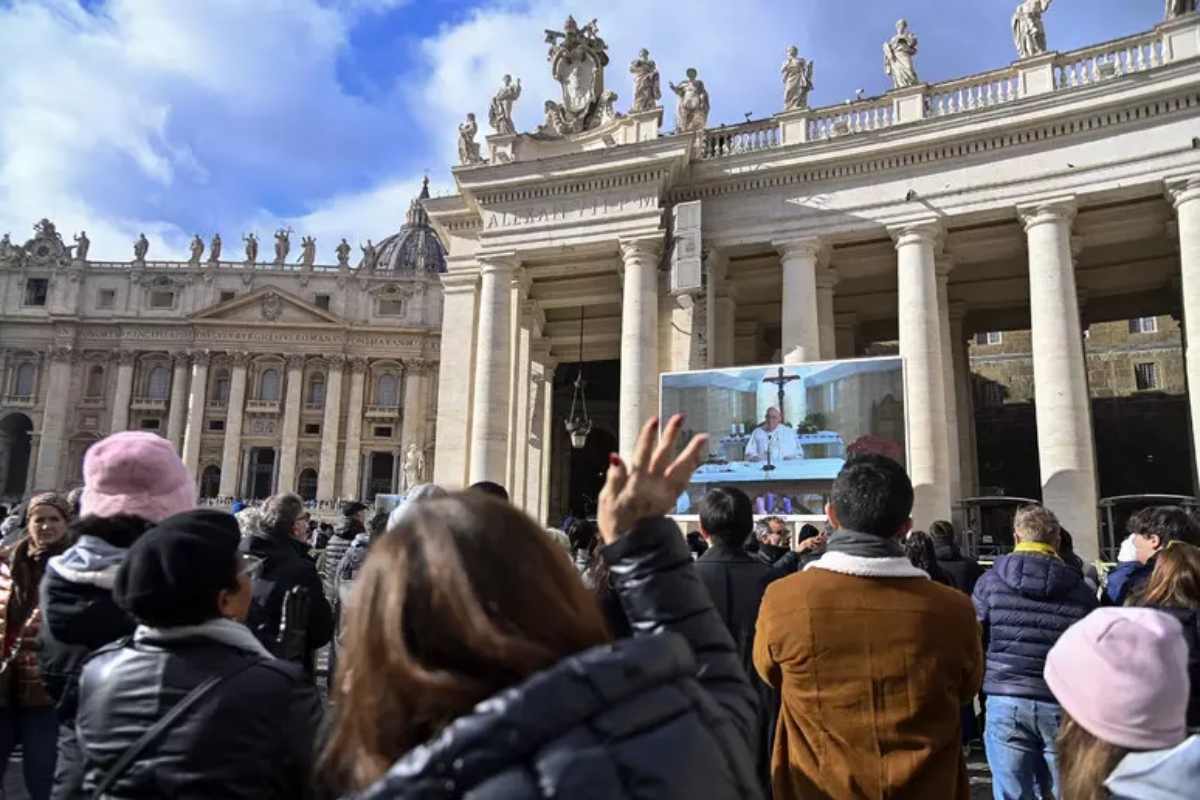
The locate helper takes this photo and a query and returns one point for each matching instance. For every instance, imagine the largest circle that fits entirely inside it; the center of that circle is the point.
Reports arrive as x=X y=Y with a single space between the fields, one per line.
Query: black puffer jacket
x=335 y=550
x=963 y=572
x=668 y=714
x=251 y=737
x=1189 y=618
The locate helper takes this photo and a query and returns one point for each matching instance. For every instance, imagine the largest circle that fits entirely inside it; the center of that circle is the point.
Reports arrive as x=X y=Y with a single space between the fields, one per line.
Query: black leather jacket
x=667 y=714
x=250 y=737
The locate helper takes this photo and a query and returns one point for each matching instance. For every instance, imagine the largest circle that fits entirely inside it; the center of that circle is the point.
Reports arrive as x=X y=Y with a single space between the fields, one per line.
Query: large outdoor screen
x=782 y=433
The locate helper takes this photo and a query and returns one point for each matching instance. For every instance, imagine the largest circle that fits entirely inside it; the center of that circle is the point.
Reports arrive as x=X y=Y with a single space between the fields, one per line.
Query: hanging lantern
x=578 y=424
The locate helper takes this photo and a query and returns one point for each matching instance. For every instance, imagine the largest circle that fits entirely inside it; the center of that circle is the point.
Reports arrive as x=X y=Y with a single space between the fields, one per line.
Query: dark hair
x=121 y=530
x=919 y=548
x=1168 y=523
x=807 y=531
x=582 y=533
x=377 y=526
x=727 y=515
x=1066 y=550
x=872 y=494
x=943 y=532
x=489 y=487
x=3 y=511
x=464 y=598
x=279 y=514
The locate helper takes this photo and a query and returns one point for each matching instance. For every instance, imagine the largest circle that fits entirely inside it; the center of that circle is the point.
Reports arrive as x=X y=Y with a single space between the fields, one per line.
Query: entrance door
x=16 y=431
x=262 y=472
x=380 y=471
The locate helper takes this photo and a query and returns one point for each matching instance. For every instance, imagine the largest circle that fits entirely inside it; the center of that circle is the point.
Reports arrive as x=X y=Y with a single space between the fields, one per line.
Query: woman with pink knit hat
x=131 y=481
x=1120 y=675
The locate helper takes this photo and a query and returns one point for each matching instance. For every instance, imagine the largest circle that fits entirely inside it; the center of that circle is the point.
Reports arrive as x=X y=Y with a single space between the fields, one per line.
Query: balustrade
x=760 y=134
x=1109 y=60
x=972 y=93
x=859 y=117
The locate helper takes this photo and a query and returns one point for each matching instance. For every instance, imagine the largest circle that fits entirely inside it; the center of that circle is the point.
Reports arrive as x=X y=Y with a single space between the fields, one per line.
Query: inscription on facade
x=568 y=210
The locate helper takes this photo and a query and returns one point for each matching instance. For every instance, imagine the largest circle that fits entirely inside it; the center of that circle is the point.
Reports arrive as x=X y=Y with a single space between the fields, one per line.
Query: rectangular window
x=989 y=338
x=226 y=296
x=106 y=300
x=383 y=432
x=321 y=301
x=391 y=308
x=162 y=300
x=150 y=424
x=216 y=425
x=37 y=292
x=312 y=429
x=1143 y=325
x=1145 y=376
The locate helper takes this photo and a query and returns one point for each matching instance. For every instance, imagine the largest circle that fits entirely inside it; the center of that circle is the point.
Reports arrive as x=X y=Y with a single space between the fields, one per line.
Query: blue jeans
x=36 y=730
x=1019 y=740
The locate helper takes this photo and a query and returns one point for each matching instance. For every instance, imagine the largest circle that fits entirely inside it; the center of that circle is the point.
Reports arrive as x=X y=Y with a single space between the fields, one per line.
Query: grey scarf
x=864 y=545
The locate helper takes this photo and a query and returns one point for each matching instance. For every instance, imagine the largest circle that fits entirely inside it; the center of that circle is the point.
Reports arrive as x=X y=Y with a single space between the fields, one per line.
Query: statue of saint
x=308 y=251
x=647 y=90
x=141 y=247
x=606 y=107
x=468 y=148
x=1177 y=8
x=691 y=110
x=251 y=247
x=8 y=251
x=343 y=253
x=283 y=244
x=414 y=467
x=370 y=256
x=214 y=248
x=797 y=80
x=500 y=113
x=82 y=245
x=196 y=249
x=898 y=53
x=1029 y=34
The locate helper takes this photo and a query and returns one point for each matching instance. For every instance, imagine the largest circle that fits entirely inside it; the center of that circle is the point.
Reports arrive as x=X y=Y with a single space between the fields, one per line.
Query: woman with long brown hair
x=476 y=662
x=1174 y=588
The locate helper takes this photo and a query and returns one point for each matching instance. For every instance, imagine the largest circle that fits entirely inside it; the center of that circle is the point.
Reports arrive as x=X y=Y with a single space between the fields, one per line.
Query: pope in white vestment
x=775 y=438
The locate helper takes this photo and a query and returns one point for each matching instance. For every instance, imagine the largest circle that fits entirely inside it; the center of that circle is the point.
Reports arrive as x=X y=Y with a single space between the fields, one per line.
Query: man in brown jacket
x=874 y=660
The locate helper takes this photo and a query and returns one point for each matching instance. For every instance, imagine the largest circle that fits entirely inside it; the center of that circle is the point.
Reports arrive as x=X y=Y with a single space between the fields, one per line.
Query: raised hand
x=651 y=484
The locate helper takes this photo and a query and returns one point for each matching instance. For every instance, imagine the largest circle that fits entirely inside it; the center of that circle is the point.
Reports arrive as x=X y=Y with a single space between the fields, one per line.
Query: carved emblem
x=45 y=249
x=272 y=306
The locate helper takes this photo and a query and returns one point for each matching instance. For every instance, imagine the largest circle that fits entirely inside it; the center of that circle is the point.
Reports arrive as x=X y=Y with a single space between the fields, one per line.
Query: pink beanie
x=1121 y=673
x=135 y=473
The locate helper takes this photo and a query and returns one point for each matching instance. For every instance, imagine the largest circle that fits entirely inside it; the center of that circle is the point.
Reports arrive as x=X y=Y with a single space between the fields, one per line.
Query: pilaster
x=639 y=338
x=234 y=416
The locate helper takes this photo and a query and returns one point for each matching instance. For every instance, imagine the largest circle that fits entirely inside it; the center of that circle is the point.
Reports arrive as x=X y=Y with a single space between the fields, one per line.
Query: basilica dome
x=416 y=248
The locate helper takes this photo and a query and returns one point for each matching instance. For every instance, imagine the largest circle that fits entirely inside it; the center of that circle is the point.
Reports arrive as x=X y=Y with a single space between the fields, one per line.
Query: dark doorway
x=210 y=481
x=16 y=432
x=262 y=472
x=306 y=485
x=380 y=472
x=588 y=468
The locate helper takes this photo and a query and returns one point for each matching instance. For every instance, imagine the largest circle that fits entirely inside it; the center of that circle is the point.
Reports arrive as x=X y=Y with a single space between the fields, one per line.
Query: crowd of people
x=154 y=648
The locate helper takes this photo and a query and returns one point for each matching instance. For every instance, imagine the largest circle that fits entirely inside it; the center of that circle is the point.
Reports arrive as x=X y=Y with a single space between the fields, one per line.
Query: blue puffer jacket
x=1024 y=604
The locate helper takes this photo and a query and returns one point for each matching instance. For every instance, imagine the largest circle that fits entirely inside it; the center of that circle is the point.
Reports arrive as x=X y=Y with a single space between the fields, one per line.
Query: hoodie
x=1157 y=774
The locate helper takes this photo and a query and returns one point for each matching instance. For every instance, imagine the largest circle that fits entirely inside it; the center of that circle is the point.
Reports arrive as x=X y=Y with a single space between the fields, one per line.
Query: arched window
x=316 y=390
x=95 y=383
x=210 y=481
x=387 y=393
x=26 y=375
x=220 y=390
x=157 y=383
x=268 y=385
x=306 y=485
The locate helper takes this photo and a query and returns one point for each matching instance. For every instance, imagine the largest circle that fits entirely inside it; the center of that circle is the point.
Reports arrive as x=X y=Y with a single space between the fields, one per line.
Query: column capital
x=126 y=357
x=521 y=281
x=929 y=232
x=1182 y=190
x=296 y=361
x=336 y=361
x=1060 y=211
x=943 y=265
x=459 y=282
x=239 y=360
x=497 y=263
x=182 y=359
x=813 y=248
x=827 y=278
x=358 y=364
x=644 y=247
x=418 y=367
x=201 y=358
x=64 y=355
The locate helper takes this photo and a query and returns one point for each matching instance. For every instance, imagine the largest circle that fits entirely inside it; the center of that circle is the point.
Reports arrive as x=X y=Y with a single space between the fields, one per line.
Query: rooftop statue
x=898 y=53
x=343 y=253
x=141 y=247
x=308 y=251
x=214 y=248
x=647 y=90
x=251 y=247
x=196 y=249
x=82 y=245
x=500 y=112
x=797 y=80
x=468 y=148
x=1177 y=8
x=283 y=244
x=9 y=252
x=1029 y=34
x=370 y=256
x=577 y=58
x=691 y=110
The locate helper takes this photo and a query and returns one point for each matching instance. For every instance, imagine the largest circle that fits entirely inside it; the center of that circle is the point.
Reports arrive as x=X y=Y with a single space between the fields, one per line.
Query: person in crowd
x=27 y=716
x=962 y=570
x=874 y=660
x=1024 y=604
x=249 y=520
x=475 y=660
x=1174 y=589
x=286 y=566
x=810 y=546
x=1152 y=529
x=773 y=540
x=583 y=536
x=696 y=543
x=920 y=550
x=561 y=540
x=131 y=481
x=237 y=507
x=352 y=523
x=242 y=723
x=490 y=488
x=1121 y=677
x=75 y=498
x=1066 y=551
x=599 y=581
x=321 y=536
x=14 y=524
x=736 y=581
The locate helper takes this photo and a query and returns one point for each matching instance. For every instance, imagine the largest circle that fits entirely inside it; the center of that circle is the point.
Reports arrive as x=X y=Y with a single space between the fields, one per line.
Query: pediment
x=269 y=305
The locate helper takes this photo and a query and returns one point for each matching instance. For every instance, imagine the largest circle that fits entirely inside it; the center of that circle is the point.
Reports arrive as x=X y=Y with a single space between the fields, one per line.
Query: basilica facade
x=1055 y=193
x=267 y=374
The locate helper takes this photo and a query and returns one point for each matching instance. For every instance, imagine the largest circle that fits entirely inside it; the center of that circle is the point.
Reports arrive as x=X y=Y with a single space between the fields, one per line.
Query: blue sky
x=181 y=116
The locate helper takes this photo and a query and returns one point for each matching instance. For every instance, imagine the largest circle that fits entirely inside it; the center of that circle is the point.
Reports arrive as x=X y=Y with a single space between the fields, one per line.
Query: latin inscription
x=568 y=211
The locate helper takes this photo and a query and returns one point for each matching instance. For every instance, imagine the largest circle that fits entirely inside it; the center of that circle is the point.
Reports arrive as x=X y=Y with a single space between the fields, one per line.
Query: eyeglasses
x=252 y=567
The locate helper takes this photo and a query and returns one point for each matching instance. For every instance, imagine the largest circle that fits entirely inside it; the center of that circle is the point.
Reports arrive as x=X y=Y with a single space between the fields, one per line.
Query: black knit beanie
x=172 y=574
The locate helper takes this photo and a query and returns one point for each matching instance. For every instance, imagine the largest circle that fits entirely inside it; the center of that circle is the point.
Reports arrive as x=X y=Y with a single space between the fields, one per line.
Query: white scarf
x=225 y=631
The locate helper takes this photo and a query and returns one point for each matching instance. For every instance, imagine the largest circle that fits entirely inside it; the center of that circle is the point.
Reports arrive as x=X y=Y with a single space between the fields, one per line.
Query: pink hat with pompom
x=135 y=473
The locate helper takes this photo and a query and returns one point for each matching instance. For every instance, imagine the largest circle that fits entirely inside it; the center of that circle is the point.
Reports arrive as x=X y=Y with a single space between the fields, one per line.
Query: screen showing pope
x=772 y=441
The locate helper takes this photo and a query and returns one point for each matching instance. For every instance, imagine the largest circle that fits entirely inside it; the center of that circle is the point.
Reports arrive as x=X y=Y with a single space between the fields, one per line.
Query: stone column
x=456 y=363
x=964 y=401
x=826 y=323
x=120 y=411
x=547 y=440
x=1066 y=452
x=4 y=387
x=944 y=264
x=518 y=368
x=195 y=414
x=412 y=428
x=801 y=314
x=1186 y=196
x=326 y=478
x=53 y=441
x=536 y=445
x=639 y=339
x=177 y=413
x=925 y=392
x=845 y=332
x=493 y=372
x=234 y=414
x=285 y=464
x=354 y=416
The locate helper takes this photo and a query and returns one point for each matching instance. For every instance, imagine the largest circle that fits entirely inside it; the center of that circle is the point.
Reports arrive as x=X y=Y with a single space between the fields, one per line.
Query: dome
x=416 y=248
